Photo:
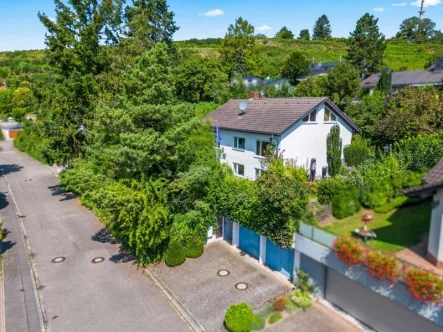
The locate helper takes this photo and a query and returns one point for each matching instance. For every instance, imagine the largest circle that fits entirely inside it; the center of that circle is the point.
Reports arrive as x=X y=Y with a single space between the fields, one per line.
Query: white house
x=433 y=186
x=298 y=127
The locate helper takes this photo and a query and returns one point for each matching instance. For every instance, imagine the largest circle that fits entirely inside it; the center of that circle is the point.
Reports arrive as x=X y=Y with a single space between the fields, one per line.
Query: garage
x=249 y=242
x=376 y=311
x=280 y=259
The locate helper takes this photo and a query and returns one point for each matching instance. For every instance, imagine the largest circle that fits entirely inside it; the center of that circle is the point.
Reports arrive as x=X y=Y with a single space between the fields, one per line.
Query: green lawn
x=395 y=230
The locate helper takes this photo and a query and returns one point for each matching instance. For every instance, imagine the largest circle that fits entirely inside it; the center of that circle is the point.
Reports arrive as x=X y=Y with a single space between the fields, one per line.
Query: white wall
x=307 y=140
x=436 y=231
x=245 y=157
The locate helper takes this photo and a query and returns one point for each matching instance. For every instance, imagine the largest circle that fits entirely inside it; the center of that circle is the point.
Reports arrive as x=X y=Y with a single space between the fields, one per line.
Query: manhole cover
x=223 y=273
x=59 y=259
x=98 y=260
x=241 y=286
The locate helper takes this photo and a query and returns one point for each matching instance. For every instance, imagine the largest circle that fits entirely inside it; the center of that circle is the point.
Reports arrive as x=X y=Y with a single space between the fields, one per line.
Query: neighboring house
x=260 y=84
x=433 y=186
x=431 y=76
x=298 y=127
x=320 y=69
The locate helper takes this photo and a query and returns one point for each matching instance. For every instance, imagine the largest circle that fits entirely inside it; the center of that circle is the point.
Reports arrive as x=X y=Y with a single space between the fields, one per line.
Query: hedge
x=239 y=318
x=346 y=204
x=175 y=254
x=194 y=246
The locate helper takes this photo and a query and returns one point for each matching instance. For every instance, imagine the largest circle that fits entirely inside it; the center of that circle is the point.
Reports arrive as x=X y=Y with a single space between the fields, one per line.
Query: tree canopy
x=366 y=46
x=322 y=28
x=295 y=67
x=304 y=35
x=417 y=30
x=284 y=33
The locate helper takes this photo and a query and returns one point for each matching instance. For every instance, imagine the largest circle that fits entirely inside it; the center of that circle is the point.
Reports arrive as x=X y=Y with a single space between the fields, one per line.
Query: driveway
x=205 y=295
x=75 y=294
x=317 y=318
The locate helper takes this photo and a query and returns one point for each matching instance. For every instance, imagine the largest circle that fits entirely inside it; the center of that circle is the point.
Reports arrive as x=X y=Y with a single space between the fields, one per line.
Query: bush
x=346 y=204
x=280 y=303
x=393 y=204
x=275 y=318
x=327 y=189
x=302 y=299
x=334 y=150
x=239 y=318
x=357 y=152
x=420 y=153
x=377 y=193
x=194 y=246
x=175 y=254
x=290 y=305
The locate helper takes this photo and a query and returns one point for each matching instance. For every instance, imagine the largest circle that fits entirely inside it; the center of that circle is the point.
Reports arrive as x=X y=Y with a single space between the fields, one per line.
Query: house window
x=261 y=147
x=258 y=172
x=239 y=169
x=330 y=116
x=239 y=143
x=311 y=117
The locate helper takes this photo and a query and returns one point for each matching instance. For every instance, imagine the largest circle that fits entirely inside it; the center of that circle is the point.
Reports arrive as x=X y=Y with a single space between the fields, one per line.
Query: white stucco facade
x=302 y=142
x=435 y=246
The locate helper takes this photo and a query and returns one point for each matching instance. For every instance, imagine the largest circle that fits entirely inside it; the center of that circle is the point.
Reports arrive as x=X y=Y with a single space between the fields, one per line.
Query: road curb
x=175 y=302
x=31 y=263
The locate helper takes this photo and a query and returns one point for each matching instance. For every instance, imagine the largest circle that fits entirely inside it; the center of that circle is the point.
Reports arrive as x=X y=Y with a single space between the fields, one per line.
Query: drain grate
x=241 y=286
x=223 y=273
x=58 y=260
x=98 y=260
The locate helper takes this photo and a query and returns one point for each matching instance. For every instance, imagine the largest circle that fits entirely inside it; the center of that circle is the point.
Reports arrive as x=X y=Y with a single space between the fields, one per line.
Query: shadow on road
x=3 y=201
x=10 y=168
x=5 y=246
x=103 y=236
x=58 y=191
x=122 y=257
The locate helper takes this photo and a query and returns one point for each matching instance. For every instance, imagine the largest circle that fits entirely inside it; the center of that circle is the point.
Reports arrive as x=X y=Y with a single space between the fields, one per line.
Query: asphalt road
x=76 y=294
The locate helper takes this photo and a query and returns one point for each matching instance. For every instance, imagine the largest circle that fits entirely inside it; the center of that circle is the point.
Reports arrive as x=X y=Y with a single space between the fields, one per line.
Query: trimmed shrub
x=346 y=204
x=239 y=318
x=194 y=246
x=175 y=254
x=275 y=318
x=357 y=152
x=334 y=150
x=327 y=189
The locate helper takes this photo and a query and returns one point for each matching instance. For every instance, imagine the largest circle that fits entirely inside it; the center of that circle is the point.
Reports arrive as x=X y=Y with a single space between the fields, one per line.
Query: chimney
x=254 y=95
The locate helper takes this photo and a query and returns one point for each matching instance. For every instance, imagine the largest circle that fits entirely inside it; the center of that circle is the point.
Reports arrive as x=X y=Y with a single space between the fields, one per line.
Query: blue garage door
x=249 y=242
x=227 y=230
x=279 y=259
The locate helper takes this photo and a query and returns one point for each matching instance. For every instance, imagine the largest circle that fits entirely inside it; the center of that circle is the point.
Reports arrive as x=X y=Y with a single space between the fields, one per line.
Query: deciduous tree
x=343 y=83
x=295 y=67
x=304 y=35
x=284 y=33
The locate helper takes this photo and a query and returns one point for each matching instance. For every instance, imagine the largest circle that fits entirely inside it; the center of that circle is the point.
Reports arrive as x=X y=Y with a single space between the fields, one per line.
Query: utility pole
x=421 y=12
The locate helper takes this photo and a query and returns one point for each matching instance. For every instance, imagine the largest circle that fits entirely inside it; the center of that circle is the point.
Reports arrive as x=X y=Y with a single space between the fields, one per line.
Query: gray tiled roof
x=432 y=181
x=268 y=115
x=403 y=78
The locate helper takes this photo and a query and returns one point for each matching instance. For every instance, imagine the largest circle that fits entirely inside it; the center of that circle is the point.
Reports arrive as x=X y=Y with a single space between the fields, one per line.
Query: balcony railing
x=327 y=239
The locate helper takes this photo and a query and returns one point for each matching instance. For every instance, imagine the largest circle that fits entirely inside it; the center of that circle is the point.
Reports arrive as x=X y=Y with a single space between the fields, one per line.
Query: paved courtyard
x=206 y=296
x=317 y=318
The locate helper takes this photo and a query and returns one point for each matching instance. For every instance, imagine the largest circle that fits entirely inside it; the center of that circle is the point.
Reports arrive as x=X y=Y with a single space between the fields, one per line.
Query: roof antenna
x=242 y=106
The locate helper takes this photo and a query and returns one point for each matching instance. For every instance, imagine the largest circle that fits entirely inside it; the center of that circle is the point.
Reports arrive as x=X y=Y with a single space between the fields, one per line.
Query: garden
x=241 y=318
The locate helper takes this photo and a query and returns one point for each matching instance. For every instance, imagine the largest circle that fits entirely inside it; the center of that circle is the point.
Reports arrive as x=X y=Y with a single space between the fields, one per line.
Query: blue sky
x=21 y=29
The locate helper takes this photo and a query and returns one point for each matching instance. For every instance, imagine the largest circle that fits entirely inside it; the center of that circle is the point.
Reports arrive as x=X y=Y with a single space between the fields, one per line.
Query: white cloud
x=53 y=19
x=379 y=9
x=428 y=3
x=214 y=12
x=264 y=28
x=400 y=4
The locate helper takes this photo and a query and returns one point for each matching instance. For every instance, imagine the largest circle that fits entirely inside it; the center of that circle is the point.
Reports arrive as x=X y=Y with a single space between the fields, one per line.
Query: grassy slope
x=395 y=230
x=273 y=52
